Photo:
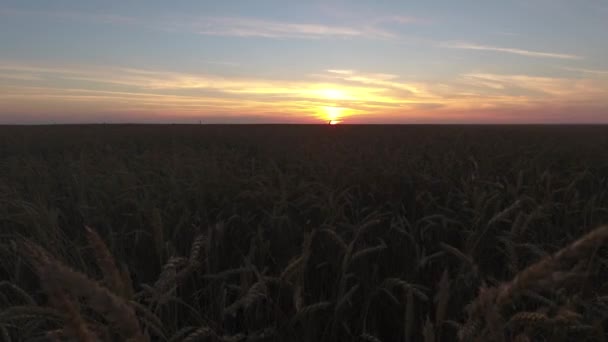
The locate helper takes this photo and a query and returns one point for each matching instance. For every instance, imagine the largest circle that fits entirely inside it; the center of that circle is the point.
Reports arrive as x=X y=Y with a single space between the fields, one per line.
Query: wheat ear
x=112 y=307
x=547 y=268
x=111 y=274
x=486 y=307
x=75 y=325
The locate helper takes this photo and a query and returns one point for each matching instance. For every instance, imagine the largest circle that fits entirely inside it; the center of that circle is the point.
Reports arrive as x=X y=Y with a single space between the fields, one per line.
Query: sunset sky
x=282 y=61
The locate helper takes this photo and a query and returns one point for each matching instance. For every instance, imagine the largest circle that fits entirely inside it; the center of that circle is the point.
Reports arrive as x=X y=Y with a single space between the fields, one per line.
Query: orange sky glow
x=344 y=96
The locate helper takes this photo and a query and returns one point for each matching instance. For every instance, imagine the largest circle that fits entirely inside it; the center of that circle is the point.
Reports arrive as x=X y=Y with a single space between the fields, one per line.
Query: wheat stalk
x=546 y=272
x=408 y=325
x=201 y=334
x=111 y=274
x=112 y=307
x=75 y=325
x=442 y=299
x=156 y=223
x=197 y=246
x=547 y=268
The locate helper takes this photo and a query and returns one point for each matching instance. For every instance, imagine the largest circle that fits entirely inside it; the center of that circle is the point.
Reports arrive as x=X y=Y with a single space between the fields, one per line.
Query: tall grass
x=283 y=233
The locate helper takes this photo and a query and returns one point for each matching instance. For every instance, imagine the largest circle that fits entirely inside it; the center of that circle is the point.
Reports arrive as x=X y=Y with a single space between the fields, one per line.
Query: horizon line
x=306 y=124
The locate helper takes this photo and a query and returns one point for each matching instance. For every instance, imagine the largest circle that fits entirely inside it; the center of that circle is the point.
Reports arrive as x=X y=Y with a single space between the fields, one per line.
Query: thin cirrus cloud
x=587 y=71
x=360 y=95
x=330 y=87
x=191 y=94
x=226 y=26
x=515 y=51
x=381 y=80
x=250 y=27
x=550 y=89
x=136 y=89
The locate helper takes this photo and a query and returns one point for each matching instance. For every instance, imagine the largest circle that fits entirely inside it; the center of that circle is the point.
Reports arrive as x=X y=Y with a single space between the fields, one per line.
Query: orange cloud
x=347 y=95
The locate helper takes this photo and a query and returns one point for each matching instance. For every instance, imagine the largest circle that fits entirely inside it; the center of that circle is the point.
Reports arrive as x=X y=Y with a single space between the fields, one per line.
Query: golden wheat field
x=303 y=233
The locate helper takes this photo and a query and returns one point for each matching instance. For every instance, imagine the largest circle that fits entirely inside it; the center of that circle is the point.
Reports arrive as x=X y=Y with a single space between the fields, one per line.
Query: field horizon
x=549 y=124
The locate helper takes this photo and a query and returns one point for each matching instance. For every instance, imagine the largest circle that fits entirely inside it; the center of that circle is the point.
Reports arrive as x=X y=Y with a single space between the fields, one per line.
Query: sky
x=284 y=61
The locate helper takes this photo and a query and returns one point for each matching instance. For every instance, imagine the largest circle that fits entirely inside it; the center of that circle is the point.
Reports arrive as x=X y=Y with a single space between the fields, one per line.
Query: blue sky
x=294 y=61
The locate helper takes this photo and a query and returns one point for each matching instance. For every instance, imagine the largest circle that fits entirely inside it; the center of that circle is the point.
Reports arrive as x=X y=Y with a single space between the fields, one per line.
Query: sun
x=332 y=97
x=333 y=114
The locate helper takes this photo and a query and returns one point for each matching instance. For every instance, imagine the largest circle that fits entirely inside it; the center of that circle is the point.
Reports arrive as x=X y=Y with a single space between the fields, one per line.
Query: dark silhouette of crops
x=303 y=233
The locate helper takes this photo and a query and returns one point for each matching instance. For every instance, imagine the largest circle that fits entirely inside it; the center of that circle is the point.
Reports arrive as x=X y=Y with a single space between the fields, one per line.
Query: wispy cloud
x=381 y=80
x=336 y=85
x=341 y=71
x=540 y=88
x=227 y=26
x=586 y=71
x=19 y=76
x=366 y=15
x=253 y=27
x=141 y=93
x=138 y=89
x=515 y=51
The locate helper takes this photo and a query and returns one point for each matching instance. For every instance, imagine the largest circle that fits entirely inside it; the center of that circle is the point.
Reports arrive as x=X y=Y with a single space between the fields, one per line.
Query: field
x=303 y=233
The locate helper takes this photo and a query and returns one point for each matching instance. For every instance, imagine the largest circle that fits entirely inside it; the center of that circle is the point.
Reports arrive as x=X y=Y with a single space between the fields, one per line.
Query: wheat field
x=303 y=233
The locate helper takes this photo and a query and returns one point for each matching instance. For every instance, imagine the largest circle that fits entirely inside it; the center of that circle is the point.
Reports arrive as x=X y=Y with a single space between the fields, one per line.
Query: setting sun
x=333 y=114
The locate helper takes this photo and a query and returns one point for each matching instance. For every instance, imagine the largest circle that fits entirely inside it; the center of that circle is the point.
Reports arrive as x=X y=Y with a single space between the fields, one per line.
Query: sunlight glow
x=334 y=94
x=142 y=94
x=333 y=114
